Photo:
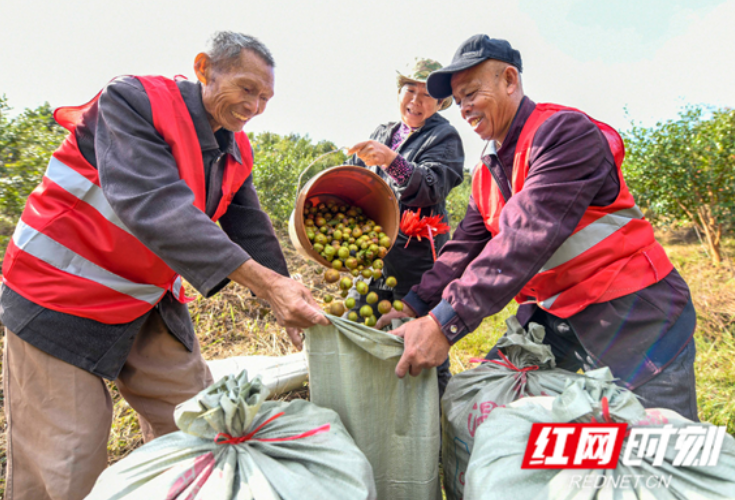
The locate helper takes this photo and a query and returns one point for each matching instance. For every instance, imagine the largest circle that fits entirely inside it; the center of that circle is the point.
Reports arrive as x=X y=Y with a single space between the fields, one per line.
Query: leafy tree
x=278 y=162
x=685 y=169
x=26 y=144
x=458 y=200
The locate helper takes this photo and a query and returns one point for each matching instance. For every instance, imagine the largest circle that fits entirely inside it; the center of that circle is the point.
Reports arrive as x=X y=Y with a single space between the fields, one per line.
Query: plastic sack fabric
x=495 y=470
x=471 y=396
x=395 y=422
x=289 y=451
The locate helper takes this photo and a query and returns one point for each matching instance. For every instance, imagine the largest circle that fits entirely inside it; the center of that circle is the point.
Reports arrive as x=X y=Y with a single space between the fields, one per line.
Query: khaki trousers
x=59 y=416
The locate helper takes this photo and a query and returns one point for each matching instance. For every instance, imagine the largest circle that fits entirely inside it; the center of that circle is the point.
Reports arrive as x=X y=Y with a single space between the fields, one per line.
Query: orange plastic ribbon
x=412 y=224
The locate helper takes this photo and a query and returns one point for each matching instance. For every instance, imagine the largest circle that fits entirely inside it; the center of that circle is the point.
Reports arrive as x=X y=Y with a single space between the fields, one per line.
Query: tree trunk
x=712 y=232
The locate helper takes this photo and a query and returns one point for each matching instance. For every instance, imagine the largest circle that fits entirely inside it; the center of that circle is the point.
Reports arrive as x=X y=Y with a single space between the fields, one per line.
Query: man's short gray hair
x=225 y=46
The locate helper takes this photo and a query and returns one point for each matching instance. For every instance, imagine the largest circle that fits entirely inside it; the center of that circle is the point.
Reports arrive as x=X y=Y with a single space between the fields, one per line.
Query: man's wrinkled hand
x=425 y=346
x=291 y=302
x=293 y=305
x=373 y=153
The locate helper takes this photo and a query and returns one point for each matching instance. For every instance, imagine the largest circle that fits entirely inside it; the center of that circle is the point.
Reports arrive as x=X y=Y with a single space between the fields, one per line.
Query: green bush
x=26 y=143
x=457 y=201
x=278 y=162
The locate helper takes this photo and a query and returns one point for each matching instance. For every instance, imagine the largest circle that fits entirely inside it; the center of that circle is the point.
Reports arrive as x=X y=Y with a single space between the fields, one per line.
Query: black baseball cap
x=472 y=52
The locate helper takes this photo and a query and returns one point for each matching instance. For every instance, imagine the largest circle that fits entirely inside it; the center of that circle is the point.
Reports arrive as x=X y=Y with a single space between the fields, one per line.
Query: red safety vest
x=612 y=251
x=72 y=254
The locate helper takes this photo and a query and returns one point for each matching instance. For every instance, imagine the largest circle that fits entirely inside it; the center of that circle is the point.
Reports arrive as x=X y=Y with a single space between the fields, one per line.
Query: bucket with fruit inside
x=346 y=218
x=346 y=214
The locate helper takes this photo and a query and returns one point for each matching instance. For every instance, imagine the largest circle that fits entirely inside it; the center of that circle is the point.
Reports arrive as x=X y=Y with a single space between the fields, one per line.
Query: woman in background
x=422 y=159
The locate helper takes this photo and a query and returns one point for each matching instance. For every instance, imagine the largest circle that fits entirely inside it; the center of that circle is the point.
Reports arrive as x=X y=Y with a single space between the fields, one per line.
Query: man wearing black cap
x=552 y=223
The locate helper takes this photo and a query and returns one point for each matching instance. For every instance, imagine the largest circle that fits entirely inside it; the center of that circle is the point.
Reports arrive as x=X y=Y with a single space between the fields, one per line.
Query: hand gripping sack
x=235 y=445
x=495 y=472
x=528 y=369
x=395 y=422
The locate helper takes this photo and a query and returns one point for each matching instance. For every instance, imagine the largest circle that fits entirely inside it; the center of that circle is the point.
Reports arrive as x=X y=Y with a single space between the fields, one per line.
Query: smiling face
x=488 y=95
x=415 y=104
x=235 y=94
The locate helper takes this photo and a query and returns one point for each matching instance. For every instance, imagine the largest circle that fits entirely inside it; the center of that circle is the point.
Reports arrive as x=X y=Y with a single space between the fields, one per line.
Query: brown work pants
x=59 y=416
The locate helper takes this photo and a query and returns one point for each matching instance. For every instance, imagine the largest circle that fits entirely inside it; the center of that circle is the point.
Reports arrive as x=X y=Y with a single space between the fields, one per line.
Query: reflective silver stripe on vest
x=84 y=189
x=586 y=238
x=57 y=255
x=176 y=288
x=549 y=302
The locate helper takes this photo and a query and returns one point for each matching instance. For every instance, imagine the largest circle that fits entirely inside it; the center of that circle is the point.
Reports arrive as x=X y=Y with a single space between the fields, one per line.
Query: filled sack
x=395 y=422
x=657 y=467
x=526 y=368
x=233 y=444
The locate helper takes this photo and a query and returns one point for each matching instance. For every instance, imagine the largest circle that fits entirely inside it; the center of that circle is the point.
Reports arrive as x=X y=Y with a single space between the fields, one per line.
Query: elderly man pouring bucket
x=552 y=223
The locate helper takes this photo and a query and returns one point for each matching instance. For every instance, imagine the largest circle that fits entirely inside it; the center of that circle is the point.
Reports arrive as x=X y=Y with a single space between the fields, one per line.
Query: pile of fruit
x=353 y=244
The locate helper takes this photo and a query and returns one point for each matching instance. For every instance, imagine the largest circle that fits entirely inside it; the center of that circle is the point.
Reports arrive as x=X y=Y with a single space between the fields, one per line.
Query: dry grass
x=235 y=323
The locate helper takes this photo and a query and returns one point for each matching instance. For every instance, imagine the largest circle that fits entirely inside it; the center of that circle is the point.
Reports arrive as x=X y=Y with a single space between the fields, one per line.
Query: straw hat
x=417 y=71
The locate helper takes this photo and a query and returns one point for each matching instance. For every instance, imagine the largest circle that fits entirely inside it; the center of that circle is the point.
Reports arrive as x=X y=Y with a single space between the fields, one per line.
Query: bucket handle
x=298 y=184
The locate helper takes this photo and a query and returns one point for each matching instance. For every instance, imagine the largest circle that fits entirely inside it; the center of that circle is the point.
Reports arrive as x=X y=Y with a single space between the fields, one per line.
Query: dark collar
x=192 y=94
x=508 y=149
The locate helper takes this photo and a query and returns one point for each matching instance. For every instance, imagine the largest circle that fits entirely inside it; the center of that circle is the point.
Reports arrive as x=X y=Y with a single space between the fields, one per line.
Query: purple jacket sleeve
x=569 y=163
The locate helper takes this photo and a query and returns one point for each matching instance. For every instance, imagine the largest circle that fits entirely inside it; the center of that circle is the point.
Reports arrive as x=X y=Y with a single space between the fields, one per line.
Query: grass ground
x=236 y=324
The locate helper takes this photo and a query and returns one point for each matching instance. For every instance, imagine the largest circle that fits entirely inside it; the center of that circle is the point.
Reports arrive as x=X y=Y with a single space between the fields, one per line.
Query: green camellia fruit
x=391 y=281
x=377 y=273
x=343 y=253
x=377 y=264
x=367 y=273
x=350 y=262
x=355 y=273
x=366 y=311
x=384 y=242
x=345 y=283
x=337 y=309
x=353 y=316
x=398 y=305
x=350 y=303
x=327 y=299
x=370 y=321
x=372 y=298
x=384 y=306
x=331 y=276
x=337 y=264
x=362 y=287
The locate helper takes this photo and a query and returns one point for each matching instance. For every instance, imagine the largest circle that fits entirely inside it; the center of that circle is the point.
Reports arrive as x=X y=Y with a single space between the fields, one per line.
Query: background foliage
x=26 y=143
x=279 y=160
x=683 y=170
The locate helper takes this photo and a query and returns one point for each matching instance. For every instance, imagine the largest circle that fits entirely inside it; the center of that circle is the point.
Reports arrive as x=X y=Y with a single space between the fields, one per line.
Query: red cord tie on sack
x=606 y=418
x=412 y=224
x=228 y=439
x=506 y=363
